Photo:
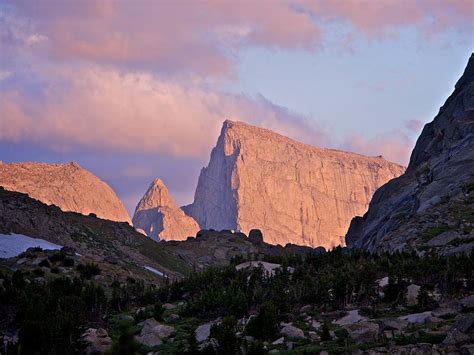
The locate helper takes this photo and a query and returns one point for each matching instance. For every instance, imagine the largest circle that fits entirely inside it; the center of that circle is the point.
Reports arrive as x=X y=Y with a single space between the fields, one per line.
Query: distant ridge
x=68 y=186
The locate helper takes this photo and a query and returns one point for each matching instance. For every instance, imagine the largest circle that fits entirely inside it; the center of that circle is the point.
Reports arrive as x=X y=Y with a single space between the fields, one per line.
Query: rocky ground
x=446 y=328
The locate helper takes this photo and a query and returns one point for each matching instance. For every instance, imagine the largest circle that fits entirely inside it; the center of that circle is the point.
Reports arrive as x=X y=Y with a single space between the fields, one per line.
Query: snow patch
x=153 y=270
x=12 y=245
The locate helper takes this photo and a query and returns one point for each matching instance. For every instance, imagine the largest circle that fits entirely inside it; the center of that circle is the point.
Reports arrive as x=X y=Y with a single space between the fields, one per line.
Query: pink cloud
x=382 y=18
x=414 y=126
x=394 y=146
x=134 y=112
x=205 y=36
x=200 y=36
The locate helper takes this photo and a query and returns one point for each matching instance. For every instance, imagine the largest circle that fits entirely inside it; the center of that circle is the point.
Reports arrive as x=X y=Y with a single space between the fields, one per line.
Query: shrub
x=224 y=333
x=56 y=257
x=88 y=270
x=325 y=335
x=44 y=263
x=265 y=324
x=38 y=272
x=68 y=262
x=158 y=311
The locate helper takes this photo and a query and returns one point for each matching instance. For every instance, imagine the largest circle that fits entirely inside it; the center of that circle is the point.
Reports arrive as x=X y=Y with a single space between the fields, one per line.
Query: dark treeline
x=51 y=316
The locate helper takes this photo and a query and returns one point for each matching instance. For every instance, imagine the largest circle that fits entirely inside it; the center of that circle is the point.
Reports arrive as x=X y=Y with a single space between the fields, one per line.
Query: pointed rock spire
x=159 y=217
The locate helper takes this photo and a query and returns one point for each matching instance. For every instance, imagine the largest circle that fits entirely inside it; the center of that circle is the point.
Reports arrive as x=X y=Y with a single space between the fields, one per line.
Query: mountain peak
x=160 y=218
x=68 y=186
x=293 y=192
x=157 y=195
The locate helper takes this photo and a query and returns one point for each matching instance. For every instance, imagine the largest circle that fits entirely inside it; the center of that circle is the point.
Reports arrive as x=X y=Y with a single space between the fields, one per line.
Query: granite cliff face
x=294 y=193
x=159 y=217
x=431 y=206
x=67 y=186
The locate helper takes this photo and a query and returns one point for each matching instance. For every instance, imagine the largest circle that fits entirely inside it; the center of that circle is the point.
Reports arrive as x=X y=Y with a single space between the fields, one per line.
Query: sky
x=134 y=90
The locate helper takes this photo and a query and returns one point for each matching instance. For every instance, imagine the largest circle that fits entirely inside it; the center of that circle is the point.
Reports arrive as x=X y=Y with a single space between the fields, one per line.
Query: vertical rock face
x=160 y=218
x=434 y=199
x=67 y=186
x=293 y=192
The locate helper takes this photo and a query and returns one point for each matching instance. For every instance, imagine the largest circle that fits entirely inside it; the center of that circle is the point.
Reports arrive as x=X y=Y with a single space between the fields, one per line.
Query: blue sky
x=137 y=92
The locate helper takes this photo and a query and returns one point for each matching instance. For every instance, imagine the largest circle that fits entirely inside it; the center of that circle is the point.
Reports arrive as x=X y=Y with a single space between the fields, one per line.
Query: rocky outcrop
x=159 y=217
x=294 y=193
x=68 y=186
x=436 y=193
x=218 y=248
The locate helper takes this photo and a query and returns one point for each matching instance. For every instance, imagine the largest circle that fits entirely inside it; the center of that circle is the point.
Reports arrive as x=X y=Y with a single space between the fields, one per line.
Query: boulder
x=153 y=333
x=467 y=303
x=443 y=239
x=292 y=332
x=363 y=332
x=412 y=294
x=279 y=341
x=255 y=236
x=351 y=318
x=306 y=309
x=174 y=317
x=393 y=324
x=97 y=341
x=203 y=332
x=315 y=324
x=169 y=306
x=417 y=318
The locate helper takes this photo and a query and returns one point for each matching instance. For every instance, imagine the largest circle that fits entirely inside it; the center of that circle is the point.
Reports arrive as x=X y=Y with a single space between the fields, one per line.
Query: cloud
x=384 y=18
x=414 y=126
x=204 y=37
x=139 y=76
x=166 y=36
x=395 y=146
x=133 y=112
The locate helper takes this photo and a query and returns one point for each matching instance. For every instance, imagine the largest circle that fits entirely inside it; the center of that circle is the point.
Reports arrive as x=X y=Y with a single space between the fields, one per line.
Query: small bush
x=265 y=324
x=88 y=270
x=38 y=272
x=158 y=311
x=56 y=257
x=68 y=262
x=44 y=263
x=325 y=335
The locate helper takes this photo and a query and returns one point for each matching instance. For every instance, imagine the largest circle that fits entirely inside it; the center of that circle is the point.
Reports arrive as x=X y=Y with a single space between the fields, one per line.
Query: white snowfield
x=14 y=244
x=153 y=270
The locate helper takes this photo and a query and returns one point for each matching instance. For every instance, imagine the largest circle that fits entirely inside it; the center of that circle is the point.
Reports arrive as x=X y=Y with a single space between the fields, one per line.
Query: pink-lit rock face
x=159 y=217
x=294 y=193
x=68 y=186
